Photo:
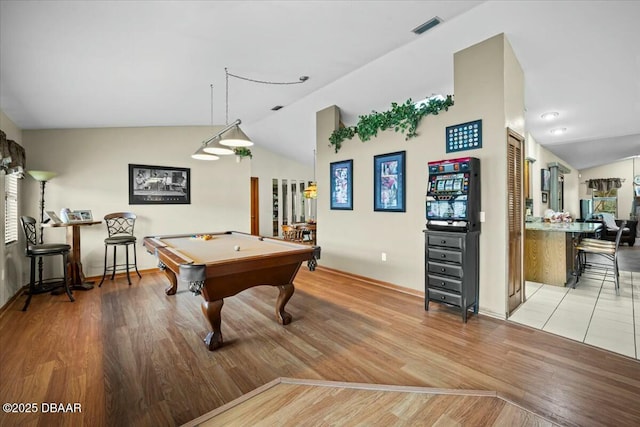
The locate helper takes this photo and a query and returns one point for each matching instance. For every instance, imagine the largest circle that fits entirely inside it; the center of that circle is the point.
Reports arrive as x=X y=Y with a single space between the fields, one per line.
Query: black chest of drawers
x=452 y=269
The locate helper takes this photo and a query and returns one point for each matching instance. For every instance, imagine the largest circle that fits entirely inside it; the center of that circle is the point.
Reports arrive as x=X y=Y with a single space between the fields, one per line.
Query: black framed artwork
x=389 y=182
x=159 y=185
x=341 y=174
x=545 y=198
x=465 y=136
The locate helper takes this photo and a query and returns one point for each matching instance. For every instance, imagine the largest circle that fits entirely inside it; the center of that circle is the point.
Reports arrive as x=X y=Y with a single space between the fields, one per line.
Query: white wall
x=92 y=167
x=623 y=169
x=11 y=256
x=353 y=241
x=542 y=158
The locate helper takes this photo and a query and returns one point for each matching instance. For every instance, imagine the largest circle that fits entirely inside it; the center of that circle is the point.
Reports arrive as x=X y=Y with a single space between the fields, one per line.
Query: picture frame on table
x=85 y=215
x=53 y=217
x=341 y=175
x=74 y=216
x=159 y=185
x=389 y=182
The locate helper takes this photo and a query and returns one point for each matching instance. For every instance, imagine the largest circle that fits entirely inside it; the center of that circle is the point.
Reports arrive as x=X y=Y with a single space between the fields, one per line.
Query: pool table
x=222 y=264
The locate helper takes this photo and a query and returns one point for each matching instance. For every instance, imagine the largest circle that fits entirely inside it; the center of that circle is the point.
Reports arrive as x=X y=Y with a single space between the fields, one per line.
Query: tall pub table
x=74 y=265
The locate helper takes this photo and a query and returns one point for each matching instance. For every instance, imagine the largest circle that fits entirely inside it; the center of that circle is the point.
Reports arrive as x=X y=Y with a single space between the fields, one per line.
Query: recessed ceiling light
x=551 y=115
x=558 y=131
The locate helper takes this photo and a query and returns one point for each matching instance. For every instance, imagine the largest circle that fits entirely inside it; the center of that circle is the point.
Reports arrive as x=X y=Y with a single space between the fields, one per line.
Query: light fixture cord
x=227 y=95
x=211 y=104
x=301 y=79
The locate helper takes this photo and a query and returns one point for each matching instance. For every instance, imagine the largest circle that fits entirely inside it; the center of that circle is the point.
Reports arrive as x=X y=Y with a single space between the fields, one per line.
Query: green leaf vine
x=243 y=152
x=403 y=118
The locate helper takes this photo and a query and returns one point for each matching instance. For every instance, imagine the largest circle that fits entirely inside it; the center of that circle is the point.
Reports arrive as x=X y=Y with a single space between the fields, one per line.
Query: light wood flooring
x=286 y=401
x=132 y=356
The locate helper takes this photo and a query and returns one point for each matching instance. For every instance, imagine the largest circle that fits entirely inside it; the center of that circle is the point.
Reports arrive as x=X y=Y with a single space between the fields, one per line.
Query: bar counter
x=549 y=250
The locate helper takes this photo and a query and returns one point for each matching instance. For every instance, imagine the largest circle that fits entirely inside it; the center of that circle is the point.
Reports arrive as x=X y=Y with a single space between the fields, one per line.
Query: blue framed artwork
x=465 y=136
x=341 y=174
x=389 y=182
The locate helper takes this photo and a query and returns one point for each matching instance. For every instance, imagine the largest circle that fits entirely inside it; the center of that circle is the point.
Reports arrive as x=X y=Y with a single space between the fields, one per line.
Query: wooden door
x=255 y=207
x=515 y=145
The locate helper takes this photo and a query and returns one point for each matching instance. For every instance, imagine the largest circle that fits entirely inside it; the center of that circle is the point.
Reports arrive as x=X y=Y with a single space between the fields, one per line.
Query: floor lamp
x=42 y=177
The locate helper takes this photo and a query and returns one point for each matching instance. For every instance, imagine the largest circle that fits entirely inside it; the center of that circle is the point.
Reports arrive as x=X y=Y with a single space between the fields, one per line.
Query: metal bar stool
x=34 y=251
x=120 y=229
x=604 y=249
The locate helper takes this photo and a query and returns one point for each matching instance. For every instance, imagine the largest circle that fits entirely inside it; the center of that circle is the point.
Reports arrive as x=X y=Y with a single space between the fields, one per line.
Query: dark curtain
x=604 y=184
x=14 y=151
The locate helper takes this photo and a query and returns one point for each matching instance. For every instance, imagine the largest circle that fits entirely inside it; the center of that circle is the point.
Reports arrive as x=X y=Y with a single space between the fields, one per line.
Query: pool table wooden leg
x=171 y=290
x=211 y=310
x=286 y=291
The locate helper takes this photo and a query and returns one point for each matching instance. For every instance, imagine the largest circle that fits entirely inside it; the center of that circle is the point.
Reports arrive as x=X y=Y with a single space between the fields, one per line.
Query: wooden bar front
x=549 y=252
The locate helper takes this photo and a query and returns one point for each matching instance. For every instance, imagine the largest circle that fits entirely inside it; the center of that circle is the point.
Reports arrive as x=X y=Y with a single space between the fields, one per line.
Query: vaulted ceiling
x=71 y=64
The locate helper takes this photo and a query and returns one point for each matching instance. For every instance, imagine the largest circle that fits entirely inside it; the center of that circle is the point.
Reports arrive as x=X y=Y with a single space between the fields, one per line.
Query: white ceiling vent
x=427 y=25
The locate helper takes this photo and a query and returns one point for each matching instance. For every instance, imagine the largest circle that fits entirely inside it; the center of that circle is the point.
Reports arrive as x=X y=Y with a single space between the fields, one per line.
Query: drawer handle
x=443 y=284
x=443 y=241
x=443 y=297
x=443 y=269
x=443 y=255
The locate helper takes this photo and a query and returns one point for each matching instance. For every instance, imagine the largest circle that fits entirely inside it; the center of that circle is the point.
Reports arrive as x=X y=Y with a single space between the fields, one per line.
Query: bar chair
x=34 y=251
x=120 y=229
x=604 y=249
x=292 y=233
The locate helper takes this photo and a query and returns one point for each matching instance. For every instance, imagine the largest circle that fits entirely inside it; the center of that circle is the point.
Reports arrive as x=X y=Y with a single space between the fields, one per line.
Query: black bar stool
x=120 y=228
x=35 y=251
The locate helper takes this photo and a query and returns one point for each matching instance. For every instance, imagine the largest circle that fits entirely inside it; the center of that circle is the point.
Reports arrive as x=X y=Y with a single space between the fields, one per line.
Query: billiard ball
x=236 y=248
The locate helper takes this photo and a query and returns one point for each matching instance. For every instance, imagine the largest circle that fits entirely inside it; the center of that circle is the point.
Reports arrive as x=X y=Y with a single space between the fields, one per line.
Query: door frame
x=255 y=206
x=520 y=299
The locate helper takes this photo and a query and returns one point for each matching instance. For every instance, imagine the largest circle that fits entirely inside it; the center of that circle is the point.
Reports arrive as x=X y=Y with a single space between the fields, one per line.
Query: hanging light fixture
x=311 y=192
x=231 y=136
x=211 y=149
x=234 y=136
x=200 y=154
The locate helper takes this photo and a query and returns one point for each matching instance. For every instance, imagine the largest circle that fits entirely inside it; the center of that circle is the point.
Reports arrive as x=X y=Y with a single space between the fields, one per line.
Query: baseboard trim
x=5 y=308
x=120 y=275
x=374 y=282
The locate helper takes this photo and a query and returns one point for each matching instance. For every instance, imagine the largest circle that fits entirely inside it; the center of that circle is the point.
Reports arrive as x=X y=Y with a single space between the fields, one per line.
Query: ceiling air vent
x=427 y=25
x=276 y=108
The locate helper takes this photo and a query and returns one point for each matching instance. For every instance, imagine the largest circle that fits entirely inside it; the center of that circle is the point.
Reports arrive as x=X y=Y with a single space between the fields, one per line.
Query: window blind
x=11 y=208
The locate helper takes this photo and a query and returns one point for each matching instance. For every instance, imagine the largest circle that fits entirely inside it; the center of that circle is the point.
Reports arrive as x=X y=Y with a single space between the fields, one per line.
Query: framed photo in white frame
x=85 y=215
x=74 y=216
x=54 y=217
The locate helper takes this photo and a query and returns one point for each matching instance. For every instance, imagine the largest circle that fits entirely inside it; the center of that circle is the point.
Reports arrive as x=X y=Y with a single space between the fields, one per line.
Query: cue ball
x=236 y=248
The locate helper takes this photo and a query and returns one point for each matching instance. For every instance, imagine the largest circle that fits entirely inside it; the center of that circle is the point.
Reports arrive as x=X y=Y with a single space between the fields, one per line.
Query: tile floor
x=591 y=313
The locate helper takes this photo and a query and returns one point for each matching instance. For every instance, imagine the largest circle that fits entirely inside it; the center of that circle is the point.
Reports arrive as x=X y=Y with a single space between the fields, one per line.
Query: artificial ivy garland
x=401 y=117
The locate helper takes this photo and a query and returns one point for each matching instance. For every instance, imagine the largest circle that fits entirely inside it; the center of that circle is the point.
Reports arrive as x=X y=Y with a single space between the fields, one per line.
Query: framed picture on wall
x=389 y=182
x=341 y=175
x=545 y=177
x=159 y=185
x=545 y=199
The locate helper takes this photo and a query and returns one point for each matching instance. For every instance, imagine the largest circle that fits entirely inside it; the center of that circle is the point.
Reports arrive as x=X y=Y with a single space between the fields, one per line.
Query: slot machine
x=452 y=257
x=453 y=195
